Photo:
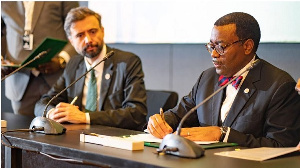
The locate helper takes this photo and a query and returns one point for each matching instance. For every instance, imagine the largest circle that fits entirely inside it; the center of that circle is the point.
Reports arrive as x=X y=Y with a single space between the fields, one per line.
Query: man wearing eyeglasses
x=259 y=108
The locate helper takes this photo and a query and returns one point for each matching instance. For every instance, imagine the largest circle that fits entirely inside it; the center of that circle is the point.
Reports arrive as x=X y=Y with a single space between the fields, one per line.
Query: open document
x=259 y=154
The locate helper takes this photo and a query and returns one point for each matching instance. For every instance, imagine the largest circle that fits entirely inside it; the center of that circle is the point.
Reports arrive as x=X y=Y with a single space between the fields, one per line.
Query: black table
x=29 y=146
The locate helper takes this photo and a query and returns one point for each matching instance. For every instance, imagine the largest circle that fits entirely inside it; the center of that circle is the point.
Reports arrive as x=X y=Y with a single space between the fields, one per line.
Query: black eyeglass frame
x=220 y=49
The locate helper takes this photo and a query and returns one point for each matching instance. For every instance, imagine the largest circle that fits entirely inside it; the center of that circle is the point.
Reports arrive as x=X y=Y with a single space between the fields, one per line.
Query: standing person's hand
x=297 y=88
x=6 y=70
x=50 y=67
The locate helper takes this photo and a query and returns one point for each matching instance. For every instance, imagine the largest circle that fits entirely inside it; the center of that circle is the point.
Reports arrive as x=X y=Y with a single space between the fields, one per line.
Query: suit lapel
x=216 y=104
x=246 y=91
x=106 y=79
x=38 y=6
x=107 y=71
x=80 y=84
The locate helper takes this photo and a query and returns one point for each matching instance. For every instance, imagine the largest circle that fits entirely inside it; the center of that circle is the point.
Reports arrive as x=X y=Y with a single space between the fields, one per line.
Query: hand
x=6 y=70
x=65 y=112
x=297 y=88
x=50 y=67
x=212 y=133
x=158 y=127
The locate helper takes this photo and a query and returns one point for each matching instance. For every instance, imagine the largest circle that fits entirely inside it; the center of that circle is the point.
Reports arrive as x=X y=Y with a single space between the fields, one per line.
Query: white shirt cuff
x=64 y=55
x=227 y=134
x=88 y=119
x=48 y=112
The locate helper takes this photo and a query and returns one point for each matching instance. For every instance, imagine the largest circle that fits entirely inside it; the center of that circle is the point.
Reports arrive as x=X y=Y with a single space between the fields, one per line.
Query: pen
x=73 y=101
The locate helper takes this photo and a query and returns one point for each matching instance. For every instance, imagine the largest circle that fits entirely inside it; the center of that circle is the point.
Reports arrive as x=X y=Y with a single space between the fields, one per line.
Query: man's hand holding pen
x=157 y=125
x=64 y=112
x=159 y=128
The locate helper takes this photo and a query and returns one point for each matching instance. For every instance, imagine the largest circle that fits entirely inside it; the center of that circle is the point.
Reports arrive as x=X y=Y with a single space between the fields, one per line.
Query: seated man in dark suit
x=119 y=98
x=263 y=110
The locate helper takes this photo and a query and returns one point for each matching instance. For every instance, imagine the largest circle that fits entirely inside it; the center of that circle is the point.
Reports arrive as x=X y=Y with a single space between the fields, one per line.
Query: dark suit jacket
x=47 y=21
x=122 y=96
x=268 y=115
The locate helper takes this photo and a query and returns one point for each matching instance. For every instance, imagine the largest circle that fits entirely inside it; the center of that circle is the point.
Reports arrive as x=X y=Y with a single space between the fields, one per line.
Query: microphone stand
x=21 y=67
x=177 y=145
x=50 y=126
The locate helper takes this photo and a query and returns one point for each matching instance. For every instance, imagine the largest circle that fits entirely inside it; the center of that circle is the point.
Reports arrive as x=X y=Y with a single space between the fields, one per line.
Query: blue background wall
x=177 y=66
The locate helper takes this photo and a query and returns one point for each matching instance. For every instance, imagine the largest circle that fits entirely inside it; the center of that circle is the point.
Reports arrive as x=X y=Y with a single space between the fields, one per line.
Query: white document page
x=258 y=154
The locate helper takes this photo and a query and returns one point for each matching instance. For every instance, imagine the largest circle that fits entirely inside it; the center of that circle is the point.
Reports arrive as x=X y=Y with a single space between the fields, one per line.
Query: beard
x=93 y=53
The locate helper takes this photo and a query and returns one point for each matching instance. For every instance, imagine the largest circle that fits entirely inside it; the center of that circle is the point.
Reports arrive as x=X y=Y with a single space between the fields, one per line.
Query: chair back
x=160 y=99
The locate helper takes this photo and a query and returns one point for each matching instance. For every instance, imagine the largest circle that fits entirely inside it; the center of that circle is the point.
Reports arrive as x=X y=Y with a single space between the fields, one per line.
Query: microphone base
x=180 y=146
x=51 y=127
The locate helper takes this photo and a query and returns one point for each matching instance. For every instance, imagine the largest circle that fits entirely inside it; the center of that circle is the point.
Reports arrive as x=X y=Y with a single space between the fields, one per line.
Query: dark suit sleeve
x=125 y=104
x=174 y=116
x=64 y=80
x=282 y=121
x=40 y=106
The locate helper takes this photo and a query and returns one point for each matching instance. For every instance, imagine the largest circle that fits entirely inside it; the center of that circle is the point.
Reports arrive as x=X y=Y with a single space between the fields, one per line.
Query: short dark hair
x=77 y=14
x=247 y=26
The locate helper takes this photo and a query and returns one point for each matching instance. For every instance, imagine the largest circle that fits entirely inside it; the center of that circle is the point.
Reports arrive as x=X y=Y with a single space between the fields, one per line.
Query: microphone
x=50 y=126
x=177 y=145
x=41 y=54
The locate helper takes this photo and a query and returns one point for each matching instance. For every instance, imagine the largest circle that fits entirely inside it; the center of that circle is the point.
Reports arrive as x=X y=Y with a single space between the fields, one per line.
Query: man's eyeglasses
x=220 y=49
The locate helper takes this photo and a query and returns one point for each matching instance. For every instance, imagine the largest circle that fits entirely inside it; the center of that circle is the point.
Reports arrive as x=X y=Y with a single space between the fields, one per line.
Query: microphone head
x=253 y=64
x=111 y=53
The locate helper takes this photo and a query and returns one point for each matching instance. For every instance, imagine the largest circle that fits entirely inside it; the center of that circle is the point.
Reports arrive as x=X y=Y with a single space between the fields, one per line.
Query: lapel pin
x=107 y=76
x=246 y=90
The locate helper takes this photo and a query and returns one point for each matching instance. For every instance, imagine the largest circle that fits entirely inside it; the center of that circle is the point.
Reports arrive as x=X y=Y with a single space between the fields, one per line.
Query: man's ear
x=248 y=46
x=102 y=29
x=69 y=38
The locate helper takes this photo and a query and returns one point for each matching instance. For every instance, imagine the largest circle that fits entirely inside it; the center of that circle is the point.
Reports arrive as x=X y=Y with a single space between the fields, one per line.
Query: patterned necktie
x=224 y=80
x=91 y=98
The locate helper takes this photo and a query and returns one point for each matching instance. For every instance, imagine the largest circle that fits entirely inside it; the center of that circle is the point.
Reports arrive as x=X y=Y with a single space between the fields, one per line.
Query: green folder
x=52 y=46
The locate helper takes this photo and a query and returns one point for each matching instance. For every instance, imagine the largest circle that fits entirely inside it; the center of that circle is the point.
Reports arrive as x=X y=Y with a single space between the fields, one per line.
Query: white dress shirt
x=98 y=73
x=231 y=93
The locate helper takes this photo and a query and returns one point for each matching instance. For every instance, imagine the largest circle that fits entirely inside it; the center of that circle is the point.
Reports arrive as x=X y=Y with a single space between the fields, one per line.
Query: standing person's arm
x=68 y=51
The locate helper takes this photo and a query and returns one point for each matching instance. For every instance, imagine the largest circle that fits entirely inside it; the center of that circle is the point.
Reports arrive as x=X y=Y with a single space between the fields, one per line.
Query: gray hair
x=77 y=14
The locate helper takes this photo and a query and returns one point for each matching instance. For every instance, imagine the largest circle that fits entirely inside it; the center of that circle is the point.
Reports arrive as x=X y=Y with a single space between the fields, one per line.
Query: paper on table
x=258 y=154
x=151 y=138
